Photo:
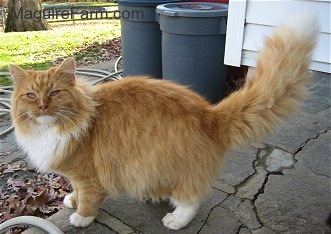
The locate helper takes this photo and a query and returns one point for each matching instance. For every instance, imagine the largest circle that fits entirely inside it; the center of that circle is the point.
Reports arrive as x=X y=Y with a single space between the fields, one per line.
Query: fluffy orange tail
x=274 y=89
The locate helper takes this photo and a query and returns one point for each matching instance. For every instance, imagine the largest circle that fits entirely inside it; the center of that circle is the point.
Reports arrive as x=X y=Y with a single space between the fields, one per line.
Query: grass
x=5 y=81
x=38 y=49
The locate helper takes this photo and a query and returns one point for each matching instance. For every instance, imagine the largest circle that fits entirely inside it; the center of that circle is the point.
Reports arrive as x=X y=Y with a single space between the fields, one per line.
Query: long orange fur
x=153 y=138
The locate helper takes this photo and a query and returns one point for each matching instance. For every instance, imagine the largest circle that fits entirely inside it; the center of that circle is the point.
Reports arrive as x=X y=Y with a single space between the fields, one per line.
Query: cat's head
x=49 y=97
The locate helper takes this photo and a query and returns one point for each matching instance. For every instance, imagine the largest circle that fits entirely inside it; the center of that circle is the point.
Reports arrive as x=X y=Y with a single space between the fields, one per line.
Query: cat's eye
x=31 y=95
x=54 y=93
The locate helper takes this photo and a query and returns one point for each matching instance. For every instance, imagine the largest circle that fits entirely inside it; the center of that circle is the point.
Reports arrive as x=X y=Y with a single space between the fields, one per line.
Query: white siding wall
x=250 y=21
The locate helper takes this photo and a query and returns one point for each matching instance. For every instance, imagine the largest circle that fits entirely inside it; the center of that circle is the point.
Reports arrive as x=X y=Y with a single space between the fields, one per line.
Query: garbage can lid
x=144 y=2
x=193 y=9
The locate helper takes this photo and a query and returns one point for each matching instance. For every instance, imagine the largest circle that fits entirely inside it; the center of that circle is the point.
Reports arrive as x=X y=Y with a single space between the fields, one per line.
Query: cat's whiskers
x=23 y=114
x=65 y=119
x=25 y=121
x=67 y=110
x=68 y=117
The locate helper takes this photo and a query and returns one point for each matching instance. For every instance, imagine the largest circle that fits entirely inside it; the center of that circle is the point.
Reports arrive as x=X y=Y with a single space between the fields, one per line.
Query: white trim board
x=250 y=21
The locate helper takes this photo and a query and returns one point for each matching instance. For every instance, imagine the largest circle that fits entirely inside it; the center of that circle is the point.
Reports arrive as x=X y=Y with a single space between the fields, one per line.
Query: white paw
x=171 y=222
x=67 y=201
x=181 y=216
x=80 y=221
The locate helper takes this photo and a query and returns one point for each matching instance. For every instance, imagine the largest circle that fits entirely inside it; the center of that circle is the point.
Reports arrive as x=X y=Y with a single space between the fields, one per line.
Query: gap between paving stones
x=242 y=226
x=211 y=210
x=243 y=209
x=255 y=164
x=102 y=224
x=323 y=108
x=245 y=212
x=224 y=187
x=260 y=162
x=309 y=139
x=115 y=223
x=259 y=166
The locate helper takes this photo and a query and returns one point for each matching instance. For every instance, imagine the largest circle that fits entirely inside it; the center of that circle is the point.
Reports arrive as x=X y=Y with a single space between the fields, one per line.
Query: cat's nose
x=43 y=107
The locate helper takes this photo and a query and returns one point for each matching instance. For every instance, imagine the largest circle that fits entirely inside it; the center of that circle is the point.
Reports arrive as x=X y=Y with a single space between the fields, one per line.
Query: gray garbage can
x=141 y=37
x=193 y=40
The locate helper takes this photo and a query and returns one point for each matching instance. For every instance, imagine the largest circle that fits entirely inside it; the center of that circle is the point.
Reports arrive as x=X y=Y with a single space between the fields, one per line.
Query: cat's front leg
x=87 y=207
x=80 y=221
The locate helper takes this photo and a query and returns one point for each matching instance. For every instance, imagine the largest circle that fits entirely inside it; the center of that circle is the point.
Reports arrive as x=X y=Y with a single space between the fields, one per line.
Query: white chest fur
x=43 y=144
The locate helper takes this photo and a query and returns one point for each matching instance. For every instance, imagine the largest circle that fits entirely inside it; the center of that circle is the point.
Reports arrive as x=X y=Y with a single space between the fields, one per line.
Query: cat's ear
x=17 y=73
x=67 y=70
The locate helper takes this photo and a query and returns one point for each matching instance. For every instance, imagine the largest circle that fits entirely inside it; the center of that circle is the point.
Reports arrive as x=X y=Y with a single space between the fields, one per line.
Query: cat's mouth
x=43 y=113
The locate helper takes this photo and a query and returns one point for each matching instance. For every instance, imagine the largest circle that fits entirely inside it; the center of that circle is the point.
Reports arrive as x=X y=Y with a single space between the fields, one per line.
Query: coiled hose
x=32 y=220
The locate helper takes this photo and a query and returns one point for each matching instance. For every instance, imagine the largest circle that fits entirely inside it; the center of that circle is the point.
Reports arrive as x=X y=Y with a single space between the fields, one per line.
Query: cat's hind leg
x=182 y=215
x=70 y=200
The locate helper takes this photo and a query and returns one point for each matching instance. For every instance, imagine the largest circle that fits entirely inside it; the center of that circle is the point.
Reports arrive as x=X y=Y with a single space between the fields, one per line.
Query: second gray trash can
x=193 y=40
x=141 y=37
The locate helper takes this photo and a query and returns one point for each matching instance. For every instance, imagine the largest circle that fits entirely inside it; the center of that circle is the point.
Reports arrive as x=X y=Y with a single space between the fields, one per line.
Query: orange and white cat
x=153 y=138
